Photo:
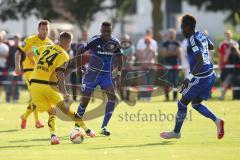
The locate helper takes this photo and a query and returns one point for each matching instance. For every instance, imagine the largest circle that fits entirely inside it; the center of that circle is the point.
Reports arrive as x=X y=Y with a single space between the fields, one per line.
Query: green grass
x=135 y=140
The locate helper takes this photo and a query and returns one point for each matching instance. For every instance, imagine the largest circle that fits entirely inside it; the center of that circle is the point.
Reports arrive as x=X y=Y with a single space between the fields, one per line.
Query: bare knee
x=185 y=101
x=52 y=111
x=85 y=100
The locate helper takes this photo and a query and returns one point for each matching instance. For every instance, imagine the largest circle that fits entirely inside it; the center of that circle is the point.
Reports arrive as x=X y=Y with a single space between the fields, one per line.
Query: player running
x=197 y=86
x=47 y=84
x=105 y=50
x=26 y=47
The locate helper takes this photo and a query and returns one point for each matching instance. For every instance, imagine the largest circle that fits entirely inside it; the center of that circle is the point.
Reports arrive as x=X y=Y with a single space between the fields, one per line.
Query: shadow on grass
x=38 y=139
x=10 y=130
x=140 y=145
x=19 y=146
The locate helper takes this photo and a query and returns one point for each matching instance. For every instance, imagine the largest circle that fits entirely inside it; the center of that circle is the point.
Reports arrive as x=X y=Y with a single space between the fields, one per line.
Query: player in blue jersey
x=105 y=51
x=197 y=86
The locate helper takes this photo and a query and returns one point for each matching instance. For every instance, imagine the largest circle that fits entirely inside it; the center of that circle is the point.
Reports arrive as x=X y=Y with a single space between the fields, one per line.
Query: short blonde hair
x=43 y=22
x=65 y=36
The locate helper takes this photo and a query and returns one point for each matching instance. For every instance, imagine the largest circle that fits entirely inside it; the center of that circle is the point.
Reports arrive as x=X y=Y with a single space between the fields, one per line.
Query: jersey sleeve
x=24 y=46
x=119 y=50
x=90 y=44
x=209 y=41
x=62 y=62
x=196 y=45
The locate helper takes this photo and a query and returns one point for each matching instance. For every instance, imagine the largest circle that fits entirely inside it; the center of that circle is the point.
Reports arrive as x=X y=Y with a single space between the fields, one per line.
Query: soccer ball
x=77 y=135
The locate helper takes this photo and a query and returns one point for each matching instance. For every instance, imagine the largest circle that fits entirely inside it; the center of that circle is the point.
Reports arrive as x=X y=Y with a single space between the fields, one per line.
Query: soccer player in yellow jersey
x=26 y=47
x=47 y=84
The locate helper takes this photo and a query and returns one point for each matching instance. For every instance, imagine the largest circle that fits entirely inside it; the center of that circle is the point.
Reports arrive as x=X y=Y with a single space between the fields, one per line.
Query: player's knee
x=184 y=102
x=196 y=105
x=113 y=99
x=85 y=100
x=182 y=107
x=52 y=111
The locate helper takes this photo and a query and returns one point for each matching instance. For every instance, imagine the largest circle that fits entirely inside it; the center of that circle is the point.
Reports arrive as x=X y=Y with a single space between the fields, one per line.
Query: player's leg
x=206 y=112
x=52 y=126
x=76 y=118
x=110 y=106
x=203 y=110
x=188 y=94
x=89 y=83
x=29 y=110
x=86 y=96
x=180 y=117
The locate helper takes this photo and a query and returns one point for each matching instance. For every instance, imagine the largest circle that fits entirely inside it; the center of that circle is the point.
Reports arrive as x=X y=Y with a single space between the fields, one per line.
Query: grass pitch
x=133 y=137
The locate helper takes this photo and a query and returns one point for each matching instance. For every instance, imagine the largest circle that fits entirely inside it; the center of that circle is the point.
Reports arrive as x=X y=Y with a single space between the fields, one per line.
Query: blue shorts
x=199 y=87
x=92 y=79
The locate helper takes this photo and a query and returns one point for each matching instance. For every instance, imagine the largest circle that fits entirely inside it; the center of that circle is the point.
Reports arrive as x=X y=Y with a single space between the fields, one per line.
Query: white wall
x=14 y=26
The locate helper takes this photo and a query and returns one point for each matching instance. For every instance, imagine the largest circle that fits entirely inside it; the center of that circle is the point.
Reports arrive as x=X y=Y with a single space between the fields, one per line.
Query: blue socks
x=181 y=115
x=108 y=112
x=203 y=110
x=81 y=110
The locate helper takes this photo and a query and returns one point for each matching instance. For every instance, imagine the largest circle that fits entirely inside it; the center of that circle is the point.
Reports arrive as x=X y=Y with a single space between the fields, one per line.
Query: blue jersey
x=198 y=44
x=101 y=58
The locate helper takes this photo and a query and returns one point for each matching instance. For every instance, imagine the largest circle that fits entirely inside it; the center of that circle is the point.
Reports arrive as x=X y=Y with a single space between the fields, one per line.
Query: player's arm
x=21 y=50
x=120 y=62
x=198 y=65
x=61 y=81
x=197 y=51
x=119 y=66
x=31 y=57
x=79 y=60
x=60 y=71
x=81 y=50
x=210 y=44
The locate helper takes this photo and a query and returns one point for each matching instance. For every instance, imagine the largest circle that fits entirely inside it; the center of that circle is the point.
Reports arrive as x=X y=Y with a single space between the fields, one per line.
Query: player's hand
x=17 y=70
x=80 y=71
x=185 y=84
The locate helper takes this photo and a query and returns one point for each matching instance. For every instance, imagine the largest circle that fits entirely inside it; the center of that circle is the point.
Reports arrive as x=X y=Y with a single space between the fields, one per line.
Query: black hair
x=189 y=20
x=106 y=24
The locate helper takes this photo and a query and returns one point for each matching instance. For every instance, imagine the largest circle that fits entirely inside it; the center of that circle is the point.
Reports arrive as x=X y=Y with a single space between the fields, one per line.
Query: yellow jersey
x=51 y=58
x=28 y=45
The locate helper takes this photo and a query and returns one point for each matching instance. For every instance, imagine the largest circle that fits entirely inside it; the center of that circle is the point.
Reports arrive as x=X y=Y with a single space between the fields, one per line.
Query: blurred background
x=133 y=20
x=128 y=16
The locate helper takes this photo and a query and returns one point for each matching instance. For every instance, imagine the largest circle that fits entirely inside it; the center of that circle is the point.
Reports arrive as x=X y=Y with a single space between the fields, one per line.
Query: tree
x=15 y=9
x=80 y=12
x=157 y=16
x=122 y=8
x=224 y=5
